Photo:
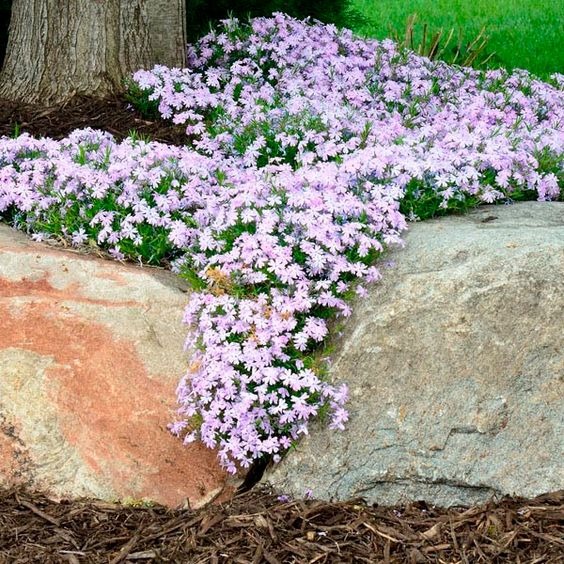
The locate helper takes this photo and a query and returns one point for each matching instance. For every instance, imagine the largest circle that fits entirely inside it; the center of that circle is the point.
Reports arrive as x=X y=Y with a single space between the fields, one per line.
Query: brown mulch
x=257 y=527
x=112 y=114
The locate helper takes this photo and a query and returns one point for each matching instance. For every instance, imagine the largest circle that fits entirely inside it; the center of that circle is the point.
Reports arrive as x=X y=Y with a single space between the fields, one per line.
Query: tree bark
x=61 y=48
x=167 y=31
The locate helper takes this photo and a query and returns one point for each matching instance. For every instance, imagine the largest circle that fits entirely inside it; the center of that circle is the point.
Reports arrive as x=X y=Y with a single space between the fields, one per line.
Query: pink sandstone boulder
x=91 y=352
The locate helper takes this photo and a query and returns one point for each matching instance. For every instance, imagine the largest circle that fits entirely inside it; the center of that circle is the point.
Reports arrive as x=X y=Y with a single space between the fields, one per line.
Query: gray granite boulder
x=455 y=363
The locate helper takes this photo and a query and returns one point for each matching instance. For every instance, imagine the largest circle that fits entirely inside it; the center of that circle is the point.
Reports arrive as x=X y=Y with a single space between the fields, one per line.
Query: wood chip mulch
x=258 y=527
x=114 y=115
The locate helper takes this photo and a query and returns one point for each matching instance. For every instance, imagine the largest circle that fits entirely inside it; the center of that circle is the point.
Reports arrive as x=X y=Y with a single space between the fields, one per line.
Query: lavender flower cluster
x=283 y=90
x=307 y=142
x=273 y=251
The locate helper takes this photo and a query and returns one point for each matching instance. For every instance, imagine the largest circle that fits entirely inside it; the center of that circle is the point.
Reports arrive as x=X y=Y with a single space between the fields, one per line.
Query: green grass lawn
x=523 y=33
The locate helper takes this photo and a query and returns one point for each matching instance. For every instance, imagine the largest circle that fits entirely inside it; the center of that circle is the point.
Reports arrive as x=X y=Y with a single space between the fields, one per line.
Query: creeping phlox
x=272 y=253
x=283 y=90
x=309 y=148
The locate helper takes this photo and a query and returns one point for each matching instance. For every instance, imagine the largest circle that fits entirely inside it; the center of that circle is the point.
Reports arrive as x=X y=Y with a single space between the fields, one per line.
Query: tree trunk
x=60 y=48
x=167 y=31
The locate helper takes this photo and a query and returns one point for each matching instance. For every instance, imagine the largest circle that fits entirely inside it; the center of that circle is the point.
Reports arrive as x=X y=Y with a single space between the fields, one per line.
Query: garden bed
x=259 y=526
x=255 y=526
x=321 y=166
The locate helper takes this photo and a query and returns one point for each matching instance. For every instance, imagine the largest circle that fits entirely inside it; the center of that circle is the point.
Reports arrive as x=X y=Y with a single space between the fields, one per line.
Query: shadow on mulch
x=111 y=114
x=257 y=527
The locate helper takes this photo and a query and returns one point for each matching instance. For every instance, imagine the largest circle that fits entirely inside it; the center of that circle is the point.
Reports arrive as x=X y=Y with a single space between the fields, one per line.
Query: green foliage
x=424 y=202
x=140 y=99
